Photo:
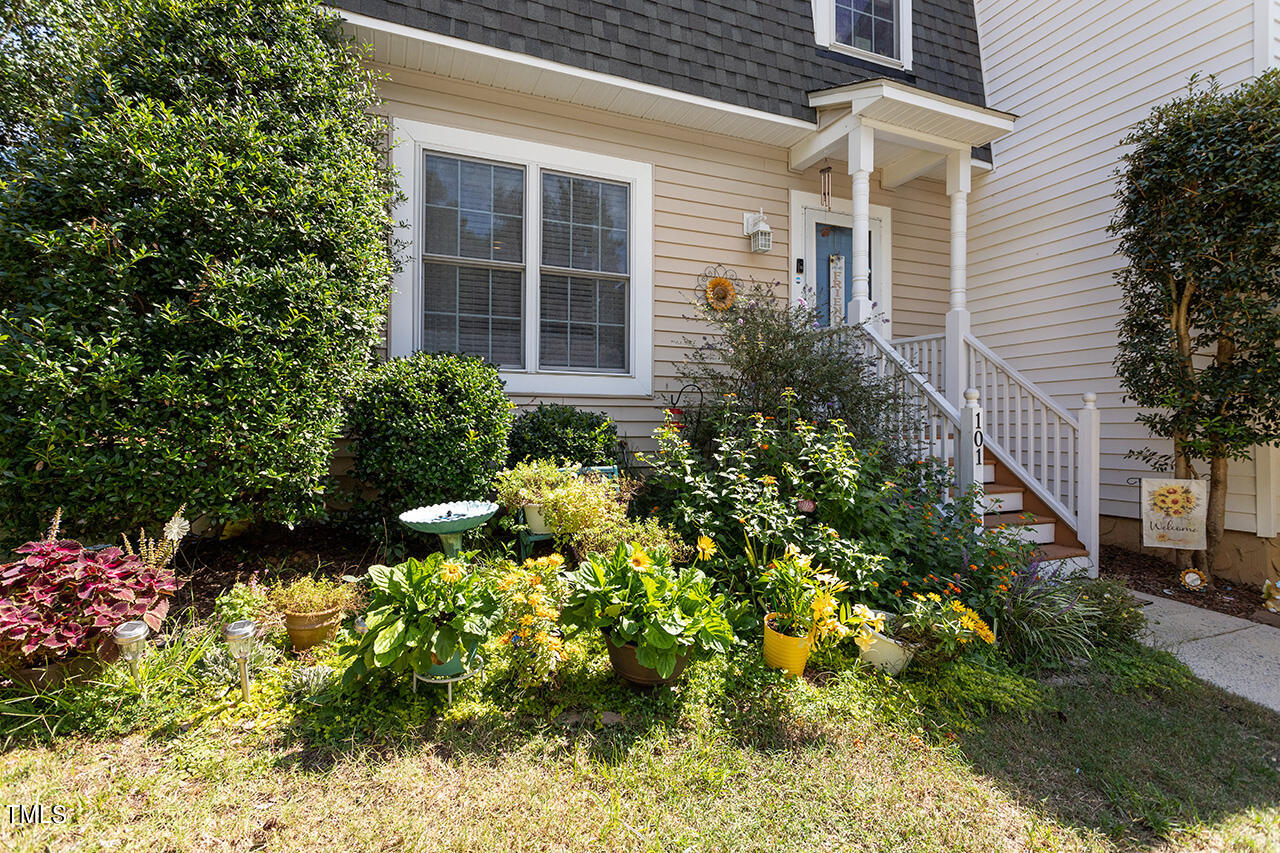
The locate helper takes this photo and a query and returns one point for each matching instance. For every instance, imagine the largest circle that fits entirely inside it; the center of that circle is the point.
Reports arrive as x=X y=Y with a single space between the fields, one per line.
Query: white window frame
x=414 y=139
x=807 y=210
x=824 y=30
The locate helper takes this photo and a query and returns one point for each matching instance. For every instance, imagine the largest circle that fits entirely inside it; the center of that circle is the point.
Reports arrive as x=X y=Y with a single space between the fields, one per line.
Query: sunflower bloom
x=706 y=548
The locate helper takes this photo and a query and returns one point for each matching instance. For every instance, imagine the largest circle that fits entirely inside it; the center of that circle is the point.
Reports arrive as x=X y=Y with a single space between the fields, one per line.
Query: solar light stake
x=131 y=639
x=239 y=639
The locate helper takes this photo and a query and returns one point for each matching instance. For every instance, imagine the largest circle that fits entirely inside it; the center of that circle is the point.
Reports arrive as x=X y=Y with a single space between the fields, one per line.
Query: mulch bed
x=209 y=568
x=1154 y=576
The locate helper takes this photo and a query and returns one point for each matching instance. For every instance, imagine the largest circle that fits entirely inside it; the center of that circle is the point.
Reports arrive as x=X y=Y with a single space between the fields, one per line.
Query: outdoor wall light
x=239 y=639
x=131 y=639
x=756 y=226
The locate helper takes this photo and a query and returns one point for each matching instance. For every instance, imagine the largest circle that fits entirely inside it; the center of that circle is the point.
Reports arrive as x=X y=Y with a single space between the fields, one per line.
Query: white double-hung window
x=877 y=30
x=534 y=257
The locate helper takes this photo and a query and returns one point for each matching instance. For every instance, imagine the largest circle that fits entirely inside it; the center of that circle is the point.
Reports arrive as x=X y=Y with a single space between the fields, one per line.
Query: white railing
x=928 y=422
x=925 y=354
x=1053 y=452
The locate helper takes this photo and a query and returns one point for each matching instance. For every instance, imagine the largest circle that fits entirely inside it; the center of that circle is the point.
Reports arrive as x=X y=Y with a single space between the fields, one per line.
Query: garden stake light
x=239 y=639
x=131 y=639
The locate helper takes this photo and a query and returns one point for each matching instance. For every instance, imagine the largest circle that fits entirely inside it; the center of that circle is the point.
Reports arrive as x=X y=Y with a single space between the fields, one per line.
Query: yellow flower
x=865 y=639
x=933 y=596
x=706 y=548
x=823 y=605
x=526 y=620
x=769 y=479
x=544 y=612
x=720 y=293
x=639 y=559
x=451 y=571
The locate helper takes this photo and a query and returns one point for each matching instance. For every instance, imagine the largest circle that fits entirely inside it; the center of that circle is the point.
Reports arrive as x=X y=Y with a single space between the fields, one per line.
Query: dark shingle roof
x=749 y=53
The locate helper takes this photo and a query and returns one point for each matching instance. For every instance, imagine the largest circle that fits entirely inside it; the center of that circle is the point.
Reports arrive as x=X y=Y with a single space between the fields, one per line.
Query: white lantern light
x=756 y=226
x=239 y=639
x=131 y=639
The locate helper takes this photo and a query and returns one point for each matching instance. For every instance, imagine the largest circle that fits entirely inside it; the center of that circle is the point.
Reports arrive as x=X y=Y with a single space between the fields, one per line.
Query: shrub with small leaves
x=425 y=429
x=563 y=433
x=1120 y=616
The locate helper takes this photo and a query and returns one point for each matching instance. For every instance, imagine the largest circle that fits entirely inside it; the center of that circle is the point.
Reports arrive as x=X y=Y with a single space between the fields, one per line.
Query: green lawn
x=1132 y=754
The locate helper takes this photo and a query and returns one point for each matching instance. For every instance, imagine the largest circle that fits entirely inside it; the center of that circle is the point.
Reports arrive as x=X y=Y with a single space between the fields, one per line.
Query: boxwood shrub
x=425 y=429
x=193 y=270
x=555 y=431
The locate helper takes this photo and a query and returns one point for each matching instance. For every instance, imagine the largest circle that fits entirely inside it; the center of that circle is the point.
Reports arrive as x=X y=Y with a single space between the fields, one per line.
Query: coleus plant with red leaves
x=60 y=599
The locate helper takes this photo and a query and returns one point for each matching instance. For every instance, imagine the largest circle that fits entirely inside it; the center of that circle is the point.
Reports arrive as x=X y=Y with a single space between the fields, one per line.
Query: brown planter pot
x=312 y=629
x=58 y=673
x=625 y=664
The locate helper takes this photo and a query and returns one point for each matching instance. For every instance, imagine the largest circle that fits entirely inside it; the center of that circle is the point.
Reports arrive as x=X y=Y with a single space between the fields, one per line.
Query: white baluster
x=1088 y=506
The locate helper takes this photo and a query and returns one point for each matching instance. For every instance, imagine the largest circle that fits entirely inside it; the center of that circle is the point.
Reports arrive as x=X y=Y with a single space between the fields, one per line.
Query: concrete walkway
x=1237 y=655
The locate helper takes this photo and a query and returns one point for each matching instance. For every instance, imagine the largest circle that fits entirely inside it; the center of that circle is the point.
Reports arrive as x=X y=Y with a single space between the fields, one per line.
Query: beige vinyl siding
x=1041 y=265
x=702 y=186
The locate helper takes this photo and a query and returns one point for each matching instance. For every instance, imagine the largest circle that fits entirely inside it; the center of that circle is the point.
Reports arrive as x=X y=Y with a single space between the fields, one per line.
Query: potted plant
x=801 y=610
x=60 y=601
x=654 y=616
x=526 y=486
x=929 y=628
x=312 y=608
x=425 y=616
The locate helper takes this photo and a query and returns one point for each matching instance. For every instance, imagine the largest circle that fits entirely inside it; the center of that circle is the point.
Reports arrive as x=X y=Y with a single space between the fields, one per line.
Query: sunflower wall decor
x=719 y=286
x=1174 y=501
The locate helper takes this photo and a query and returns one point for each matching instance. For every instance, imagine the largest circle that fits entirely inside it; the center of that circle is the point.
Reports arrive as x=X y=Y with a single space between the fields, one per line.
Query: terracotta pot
x=58 y=673
x=312 y=629
x=535 y=519
x=625 y=664
x=789 y=654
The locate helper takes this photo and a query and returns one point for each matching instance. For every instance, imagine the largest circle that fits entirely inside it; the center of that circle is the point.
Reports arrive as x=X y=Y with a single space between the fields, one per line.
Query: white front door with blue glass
x=828 y=259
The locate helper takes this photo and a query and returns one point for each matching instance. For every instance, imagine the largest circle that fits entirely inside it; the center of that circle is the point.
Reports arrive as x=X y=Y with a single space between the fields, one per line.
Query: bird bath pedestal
x=449 y=521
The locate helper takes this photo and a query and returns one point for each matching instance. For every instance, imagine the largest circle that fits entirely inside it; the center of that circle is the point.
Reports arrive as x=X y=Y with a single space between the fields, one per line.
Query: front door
x=829 y=257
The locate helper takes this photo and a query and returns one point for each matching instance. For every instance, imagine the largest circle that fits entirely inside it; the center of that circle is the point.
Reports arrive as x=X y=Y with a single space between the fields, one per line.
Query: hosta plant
x=638 y=596
x=423 y=612
x=59 y=599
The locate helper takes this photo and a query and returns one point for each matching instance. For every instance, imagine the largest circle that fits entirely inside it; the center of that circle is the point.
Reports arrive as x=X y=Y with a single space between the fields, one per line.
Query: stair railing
x=924 y=353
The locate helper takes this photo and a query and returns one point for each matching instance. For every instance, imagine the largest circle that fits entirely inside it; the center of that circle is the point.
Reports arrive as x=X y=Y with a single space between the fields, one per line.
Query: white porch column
x=861 y=162
x=955 y=356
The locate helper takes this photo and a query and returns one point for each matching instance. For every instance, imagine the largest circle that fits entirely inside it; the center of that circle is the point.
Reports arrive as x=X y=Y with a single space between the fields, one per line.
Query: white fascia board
x=523 y=61
x=872 y=91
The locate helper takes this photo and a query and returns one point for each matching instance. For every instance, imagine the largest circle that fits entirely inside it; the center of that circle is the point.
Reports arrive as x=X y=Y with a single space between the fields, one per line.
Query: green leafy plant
x=1198 y=221
x=310 y=683
x=187 y=330
x=640 y=597
x=530 y=482
x=217 y=666
x=1045 y=621
x=425 y=429
x=584 y=502
x=313 y=595
x=423 y=612
x=555 y=431
x=245 y=600
x=1120 y=617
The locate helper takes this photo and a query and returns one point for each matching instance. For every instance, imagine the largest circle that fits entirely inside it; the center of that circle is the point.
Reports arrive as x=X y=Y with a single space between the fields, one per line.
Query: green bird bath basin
x=449 y=521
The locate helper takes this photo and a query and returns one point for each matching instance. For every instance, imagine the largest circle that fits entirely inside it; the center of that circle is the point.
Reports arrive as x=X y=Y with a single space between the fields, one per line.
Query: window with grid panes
x=870 y=25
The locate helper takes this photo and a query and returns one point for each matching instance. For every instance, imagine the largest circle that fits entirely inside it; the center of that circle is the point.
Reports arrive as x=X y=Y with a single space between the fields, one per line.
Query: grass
x=1132 y=754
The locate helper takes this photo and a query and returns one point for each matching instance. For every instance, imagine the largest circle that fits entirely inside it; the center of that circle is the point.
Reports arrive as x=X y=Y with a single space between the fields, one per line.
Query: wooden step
x=1001 y=498
x=1053 y=551
x=1039 y=529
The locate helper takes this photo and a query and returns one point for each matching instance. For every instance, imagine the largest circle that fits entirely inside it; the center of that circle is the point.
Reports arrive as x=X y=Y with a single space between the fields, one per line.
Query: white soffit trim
x=402 y=46
x=914 y=113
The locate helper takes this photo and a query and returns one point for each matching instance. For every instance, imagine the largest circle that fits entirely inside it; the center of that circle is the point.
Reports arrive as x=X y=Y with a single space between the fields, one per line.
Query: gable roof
x=758 y=54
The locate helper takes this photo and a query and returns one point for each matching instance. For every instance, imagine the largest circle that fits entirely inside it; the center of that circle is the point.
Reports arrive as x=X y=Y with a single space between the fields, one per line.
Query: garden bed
x=1155 y=576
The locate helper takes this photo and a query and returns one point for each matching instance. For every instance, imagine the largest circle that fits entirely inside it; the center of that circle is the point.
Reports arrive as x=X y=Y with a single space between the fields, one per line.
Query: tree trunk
x=1182 y=470
x=1215 y=520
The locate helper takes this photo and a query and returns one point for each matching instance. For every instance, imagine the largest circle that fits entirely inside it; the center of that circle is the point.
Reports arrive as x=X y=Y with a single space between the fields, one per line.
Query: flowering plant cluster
x=531 y=594
x=423 y=612
x=941 y=628
x=60 y=599
x=803 y=598
x=638 y=596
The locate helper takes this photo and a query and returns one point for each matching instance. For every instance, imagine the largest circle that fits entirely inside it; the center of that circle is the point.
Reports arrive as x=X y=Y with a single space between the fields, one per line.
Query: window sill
x=573 y=384
x=879 y=59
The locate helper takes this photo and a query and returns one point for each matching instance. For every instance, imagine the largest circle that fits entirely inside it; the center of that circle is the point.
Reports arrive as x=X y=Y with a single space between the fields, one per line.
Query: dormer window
x=876 y=30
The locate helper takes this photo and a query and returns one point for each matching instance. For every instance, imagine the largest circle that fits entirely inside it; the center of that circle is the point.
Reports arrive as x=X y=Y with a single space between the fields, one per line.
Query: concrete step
x=1038 y=529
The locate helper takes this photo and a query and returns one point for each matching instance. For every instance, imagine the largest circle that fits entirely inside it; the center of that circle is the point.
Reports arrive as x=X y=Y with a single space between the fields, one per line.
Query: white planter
x=535 y=519
x=887 y=654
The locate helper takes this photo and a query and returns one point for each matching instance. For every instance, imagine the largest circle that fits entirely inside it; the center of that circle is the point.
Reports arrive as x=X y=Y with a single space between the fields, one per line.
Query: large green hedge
x=193 y=269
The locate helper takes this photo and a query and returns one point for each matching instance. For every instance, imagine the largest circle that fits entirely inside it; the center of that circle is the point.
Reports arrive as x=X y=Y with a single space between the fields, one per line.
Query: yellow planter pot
x=789 y=654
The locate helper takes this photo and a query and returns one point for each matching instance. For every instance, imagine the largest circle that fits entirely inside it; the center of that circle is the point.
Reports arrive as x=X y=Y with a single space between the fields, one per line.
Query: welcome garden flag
x=1173 y=514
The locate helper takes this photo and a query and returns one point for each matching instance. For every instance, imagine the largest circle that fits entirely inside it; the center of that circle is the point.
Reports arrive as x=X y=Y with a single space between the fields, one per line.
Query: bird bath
x=449 y=521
